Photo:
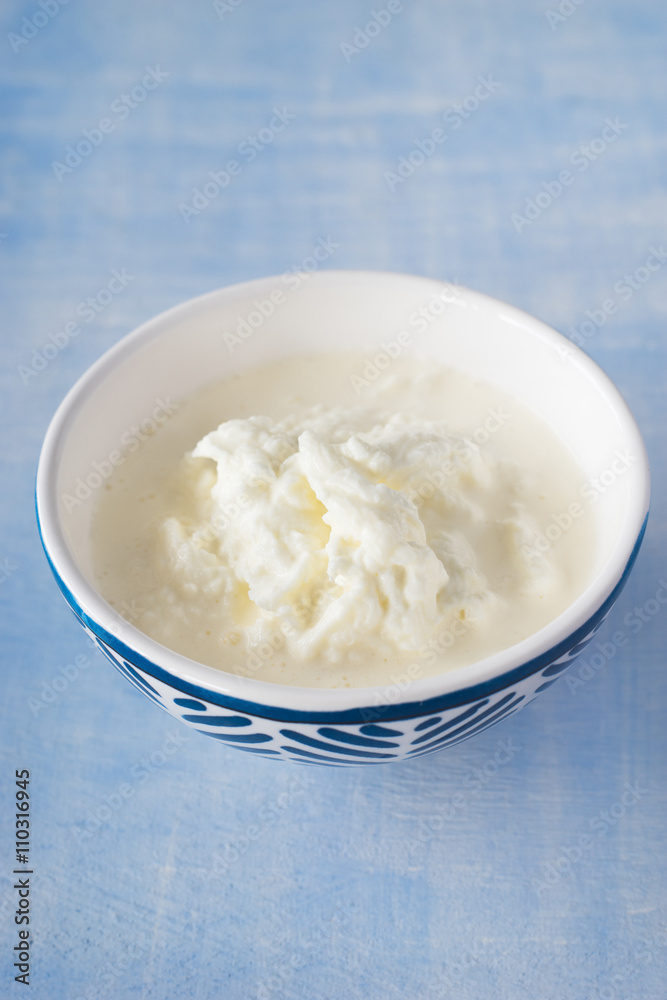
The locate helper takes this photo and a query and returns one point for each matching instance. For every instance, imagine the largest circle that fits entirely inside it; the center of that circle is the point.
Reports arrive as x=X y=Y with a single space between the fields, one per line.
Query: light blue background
x=355 y=885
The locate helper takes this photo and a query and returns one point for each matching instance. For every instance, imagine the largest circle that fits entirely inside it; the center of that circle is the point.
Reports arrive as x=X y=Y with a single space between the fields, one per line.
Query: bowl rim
x=490 y=673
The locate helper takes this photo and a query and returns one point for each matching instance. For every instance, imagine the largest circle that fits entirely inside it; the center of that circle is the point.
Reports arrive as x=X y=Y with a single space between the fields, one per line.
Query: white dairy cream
x=337 y=539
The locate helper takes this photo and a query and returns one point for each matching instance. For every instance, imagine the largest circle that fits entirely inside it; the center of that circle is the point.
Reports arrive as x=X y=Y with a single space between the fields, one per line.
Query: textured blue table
x=166 y=866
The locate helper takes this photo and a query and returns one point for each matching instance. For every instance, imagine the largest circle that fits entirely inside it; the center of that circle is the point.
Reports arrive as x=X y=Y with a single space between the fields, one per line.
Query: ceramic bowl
x=178 y=352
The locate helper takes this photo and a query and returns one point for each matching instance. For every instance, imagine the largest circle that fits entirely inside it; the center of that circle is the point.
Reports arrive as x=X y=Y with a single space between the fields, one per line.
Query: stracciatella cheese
x=332 y=545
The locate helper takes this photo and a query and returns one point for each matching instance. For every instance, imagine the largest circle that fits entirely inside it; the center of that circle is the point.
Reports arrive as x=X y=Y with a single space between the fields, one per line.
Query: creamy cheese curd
x=334 y=531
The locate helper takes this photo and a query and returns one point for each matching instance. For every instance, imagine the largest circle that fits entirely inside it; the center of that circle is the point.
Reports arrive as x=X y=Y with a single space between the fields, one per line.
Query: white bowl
x=182 y=350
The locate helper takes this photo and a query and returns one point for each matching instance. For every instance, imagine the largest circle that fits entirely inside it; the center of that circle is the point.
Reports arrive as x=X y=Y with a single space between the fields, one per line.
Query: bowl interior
x=184 y=349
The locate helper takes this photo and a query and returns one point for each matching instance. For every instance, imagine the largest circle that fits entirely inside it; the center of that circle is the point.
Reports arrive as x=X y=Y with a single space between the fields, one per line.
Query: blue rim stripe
x=379 y=731
x=218 y=720
x=547 y=684
x=237 y=737
x=452 y=722
x=558 y=668
x=340 y=735
x=507 y=713
x=427 y=723
x=332 y=748
x=465 y=731
x=317 y=757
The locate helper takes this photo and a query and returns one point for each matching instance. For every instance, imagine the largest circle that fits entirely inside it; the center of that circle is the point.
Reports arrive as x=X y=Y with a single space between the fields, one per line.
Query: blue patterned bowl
x=182 y=350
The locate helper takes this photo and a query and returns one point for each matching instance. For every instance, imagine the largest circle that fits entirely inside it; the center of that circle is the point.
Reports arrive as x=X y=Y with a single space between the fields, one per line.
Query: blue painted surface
x=167 y=865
